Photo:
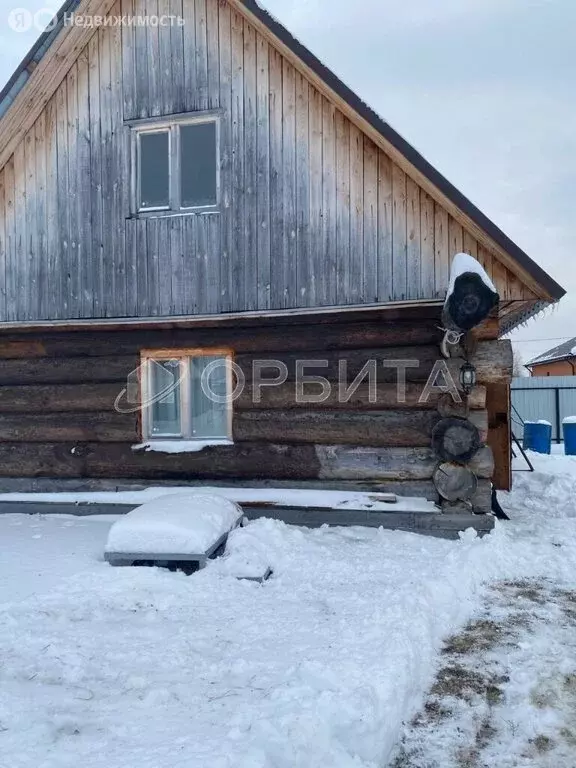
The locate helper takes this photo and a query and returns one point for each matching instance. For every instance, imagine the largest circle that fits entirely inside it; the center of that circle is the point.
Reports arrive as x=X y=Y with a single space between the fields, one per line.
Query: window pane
x=164 y=397
x=198 y=164
x=154 y=175
x=209 y=418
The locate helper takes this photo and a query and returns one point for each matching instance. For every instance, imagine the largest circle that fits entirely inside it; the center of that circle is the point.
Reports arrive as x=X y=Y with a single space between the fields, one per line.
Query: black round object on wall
x=470 y=302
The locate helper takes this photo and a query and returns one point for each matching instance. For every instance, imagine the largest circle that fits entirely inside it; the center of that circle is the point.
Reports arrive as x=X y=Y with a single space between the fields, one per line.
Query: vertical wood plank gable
x=250 y=170
x=11 y=265
x=164 y=62
x=31 y=243
x=129 y=96
x=288 y=258
x=343 y=270
x=226 y=151
x=385 y=229
x=189 y=45
x=3 y=248
x=155 y=95
x=356 y=214
x=426 y=245
x=201 y=52
x=85 y=273
x=413 y=241
x=370 y=205
x=263 y=172
x=238 y=163
x=212 y=49
x=315 y=149
x=441 y=251
x=399 y=245
x=61 y=256
x=40 y=305
x=277 y=289
x=142 y=62
x=327 y=291
x=97 y=249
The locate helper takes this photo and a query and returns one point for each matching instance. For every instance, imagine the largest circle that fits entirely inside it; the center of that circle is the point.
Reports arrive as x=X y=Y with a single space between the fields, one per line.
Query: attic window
x=176 y=165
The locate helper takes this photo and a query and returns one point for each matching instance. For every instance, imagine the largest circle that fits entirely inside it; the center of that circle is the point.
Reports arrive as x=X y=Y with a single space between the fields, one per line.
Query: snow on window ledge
x=180 y=446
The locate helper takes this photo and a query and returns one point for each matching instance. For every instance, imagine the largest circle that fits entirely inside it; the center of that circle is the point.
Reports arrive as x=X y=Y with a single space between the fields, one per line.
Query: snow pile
x=246 y=555
x=180 y=523
x=548 y=492
x=569 y=420
x=462 y=263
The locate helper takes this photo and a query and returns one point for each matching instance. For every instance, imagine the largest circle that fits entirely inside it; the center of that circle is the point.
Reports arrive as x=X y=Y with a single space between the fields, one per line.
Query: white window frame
x=172 y=127
x=183 y=355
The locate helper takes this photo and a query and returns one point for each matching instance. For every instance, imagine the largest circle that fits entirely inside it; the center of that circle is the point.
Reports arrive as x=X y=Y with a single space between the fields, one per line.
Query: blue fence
x=543 y=397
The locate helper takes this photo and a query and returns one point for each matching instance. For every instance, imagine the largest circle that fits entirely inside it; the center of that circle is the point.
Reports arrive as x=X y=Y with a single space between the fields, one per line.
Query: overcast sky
x=485 y=89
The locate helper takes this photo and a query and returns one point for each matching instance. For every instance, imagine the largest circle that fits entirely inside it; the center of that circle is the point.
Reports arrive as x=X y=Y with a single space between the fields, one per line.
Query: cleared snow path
x=504 y=692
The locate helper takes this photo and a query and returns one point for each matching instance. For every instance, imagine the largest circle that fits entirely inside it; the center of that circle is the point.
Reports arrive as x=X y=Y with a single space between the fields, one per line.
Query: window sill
x=180 y=446
x=169 y=214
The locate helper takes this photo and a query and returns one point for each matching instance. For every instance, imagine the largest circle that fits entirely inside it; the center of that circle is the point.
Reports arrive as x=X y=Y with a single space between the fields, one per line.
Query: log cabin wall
x=311 y=212
x=57 y=416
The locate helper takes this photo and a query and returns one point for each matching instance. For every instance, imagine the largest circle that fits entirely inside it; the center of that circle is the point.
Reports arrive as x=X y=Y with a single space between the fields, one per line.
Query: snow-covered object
x=540 y=421
x=187 y=524
x=246 y=555
x=291 y=497
x=462 y=263
x=569 y=420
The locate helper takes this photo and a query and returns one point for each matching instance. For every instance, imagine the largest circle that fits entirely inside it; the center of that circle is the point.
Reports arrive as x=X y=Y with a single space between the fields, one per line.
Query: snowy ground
x=327 y=664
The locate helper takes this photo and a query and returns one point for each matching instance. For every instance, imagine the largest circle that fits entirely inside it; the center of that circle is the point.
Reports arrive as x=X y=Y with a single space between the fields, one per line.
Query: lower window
x=186 y=394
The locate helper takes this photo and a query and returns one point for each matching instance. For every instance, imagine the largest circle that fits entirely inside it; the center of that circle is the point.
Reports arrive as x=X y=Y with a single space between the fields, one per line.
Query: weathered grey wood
x=441 y=251
x=66 y=370
x=364 y=397
x=389 y=464
x=399 y=265
x=390 y=428
x=427 y=260
x=263 y=173
x=480 y=503
x=381 y=467
x=455 y=482
x=11 y=251
x=40 y=257
x=226 y=151
x=51 y=398
x=343 y=276
x=84 y=196
x=104 y=426
x=287 y=274
x=455 y=439
x=413 y=240
x=31 y=200
x=96 y=271
x=250 y=170
x=60 y=263
x=3 y=248
x=385 y=282
x=356 y=213
x=370 y=205
x=326 y=276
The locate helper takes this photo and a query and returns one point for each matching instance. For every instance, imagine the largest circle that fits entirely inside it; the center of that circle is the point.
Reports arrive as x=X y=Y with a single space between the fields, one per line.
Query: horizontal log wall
x=57 y=416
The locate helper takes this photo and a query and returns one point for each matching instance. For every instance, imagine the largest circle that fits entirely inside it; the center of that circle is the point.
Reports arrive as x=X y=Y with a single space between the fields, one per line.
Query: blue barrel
x=537 y=436
x=569 y=429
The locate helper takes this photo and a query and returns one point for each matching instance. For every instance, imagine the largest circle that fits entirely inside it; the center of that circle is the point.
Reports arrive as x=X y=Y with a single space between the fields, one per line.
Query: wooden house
x=558 y=361
x=176 y=194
